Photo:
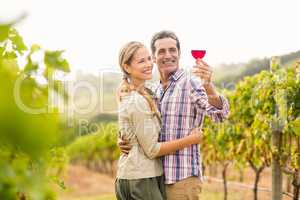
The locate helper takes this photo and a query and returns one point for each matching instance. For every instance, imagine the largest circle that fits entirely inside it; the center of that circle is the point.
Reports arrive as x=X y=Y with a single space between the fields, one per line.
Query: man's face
x=166 y=56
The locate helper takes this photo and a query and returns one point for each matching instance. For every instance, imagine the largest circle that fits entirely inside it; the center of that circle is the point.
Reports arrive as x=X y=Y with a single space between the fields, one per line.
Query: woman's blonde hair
x=125 y=58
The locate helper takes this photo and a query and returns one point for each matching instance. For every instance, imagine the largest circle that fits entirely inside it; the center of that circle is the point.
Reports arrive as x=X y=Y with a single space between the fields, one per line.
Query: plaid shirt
x=183 y=106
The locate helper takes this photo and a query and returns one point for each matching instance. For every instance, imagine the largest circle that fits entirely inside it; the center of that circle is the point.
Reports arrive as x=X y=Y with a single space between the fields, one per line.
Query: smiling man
x=183 y=102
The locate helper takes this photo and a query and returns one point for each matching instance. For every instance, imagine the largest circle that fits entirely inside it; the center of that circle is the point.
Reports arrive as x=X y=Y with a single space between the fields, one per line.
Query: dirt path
x=82 y=182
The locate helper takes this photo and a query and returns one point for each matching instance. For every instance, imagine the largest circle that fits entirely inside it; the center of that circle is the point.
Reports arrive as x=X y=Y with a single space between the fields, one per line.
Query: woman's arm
x=174 y=145
x=147 y=131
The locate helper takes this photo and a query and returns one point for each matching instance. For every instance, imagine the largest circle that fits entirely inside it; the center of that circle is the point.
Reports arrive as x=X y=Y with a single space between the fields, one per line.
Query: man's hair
x=162 y=35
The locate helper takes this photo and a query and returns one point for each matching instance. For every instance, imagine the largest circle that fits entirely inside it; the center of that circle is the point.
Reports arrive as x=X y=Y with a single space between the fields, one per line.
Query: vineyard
x=36 y=144
x=263 y=128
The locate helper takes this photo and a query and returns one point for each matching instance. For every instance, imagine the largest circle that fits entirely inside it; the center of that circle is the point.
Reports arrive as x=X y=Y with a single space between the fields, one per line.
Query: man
x=183 y=102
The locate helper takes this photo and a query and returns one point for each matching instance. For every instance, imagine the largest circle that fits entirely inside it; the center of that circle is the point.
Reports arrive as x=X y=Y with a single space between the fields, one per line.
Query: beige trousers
x=186 y=189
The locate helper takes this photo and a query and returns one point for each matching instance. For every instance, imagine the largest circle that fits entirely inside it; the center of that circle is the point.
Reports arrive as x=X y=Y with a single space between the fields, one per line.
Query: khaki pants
x=186 y=189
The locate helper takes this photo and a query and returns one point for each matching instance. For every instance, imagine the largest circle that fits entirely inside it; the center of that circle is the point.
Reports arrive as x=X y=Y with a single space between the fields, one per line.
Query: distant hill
x=229 y=74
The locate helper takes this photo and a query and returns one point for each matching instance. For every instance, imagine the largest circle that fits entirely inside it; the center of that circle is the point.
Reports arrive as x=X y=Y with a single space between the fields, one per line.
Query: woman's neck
x=138 y=84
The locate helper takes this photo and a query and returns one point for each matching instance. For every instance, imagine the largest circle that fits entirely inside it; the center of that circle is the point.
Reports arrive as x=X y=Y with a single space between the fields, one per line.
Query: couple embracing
x=160 y=129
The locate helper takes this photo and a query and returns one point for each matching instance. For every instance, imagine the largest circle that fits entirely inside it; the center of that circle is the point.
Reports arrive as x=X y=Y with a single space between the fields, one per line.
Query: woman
x=140 y=173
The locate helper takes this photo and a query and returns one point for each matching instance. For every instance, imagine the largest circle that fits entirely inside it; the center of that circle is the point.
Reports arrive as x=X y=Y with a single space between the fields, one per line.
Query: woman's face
x=140 y=68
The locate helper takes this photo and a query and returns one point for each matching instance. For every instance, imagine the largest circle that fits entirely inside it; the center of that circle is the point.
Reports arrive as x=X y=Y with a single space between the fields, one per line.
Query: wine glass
x=198 y=54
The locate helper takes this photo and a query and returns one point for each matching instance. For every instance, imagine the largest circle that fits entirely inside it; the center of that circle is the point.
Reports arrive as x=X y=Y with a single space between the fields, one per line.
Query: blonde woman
x=140 y=173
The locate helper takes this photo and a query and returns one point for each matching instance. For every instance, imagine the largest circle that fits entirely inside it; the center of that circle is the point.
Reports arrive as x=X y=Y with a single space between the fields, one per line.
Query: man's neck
x=164 y=80
x=165 y=84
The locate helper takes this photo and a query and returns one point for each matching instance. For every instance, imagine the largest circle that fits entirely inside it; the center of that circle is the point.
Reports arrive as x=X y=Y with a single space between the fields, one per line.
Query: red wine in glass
x=198 y=53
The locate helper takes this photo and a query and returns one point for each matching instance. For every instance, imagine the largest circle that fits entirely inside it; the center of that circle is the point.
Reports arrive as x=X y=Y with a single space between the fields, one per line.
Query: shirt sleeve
x=139 y=121
x=199 y=98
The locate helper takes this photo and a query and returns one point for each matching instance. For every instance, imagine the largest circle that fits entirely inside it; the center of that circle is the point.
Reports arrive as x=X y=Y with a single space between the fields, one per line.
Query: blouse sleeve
x=136 y=119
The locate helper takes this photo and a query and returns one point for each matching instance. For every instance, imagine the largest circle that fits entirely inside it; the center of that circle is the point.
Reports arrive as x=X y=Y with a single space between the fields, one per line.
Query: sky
x=93 y=31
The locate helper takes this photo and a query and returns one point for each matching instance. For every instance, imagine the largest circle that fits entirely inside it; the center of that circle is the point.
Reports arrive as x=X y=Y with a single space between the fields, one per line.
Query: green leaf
x=54 y=59
x=274 y=65
x=17 y=41
x=2 y=50
x=10 y=55
x=58 y=86
x=4 y=31
x=34 y=48
x=296 y=126
x=48 y=73
x=30 y=66
x=59 y=182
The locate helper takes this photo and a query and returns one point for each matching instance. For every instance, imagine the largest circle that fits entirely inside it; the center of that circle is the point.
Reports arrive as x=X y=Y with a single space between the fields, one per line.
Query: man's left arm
x=213 y=98
x=218 y=107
